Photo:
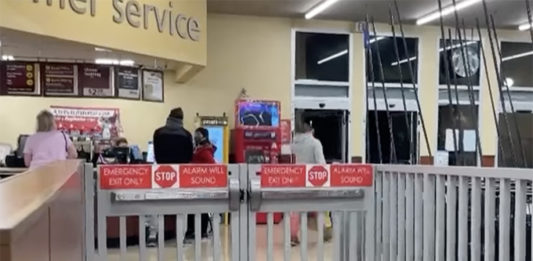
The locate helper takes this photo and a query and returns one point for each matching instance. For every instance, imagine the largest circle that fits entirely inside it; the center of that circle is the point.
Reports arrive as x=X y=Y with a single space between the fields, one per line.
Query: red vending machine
x=257 y=136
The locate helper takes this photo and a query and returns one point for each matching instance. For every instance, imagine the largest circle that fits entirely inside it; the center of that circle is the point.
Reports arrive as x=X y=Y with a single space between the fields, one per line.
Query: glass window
x=390 y=62
x=322 y=57
x=517 y=64
x=456 y=67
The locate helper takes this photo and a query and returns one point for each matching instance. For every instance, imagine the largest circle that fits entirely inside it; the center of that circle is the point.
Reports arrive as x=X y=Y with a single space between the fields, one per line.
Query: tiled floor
x=207 y=248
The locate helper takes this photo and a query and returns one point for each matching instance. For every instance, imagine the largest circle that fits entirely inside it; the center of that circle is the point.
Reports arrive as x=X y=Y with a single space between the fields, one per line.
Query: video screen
x=259 y=114
x=216 y=136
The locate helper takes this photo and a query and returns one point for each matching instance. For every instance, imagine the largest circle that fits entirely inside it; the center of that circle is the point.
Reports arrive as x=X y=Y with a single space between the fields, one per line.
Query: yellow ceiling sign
x=170 y=29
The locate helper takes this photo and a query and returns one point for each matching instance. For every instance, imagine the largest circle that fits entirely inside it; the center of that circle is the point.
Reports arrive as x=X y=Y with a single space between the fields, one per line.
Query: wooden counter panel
x=34 y=245
x=66 y=222
x=24 y=194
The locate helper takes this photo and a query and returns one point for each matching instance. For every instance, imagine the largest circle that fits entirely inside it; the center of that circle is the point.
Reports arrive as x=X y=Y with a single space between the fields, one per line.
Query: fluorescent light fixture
x=516 y=56
x=8 y=57
x=98 y=49
x=509 y=82
x=333 y=56
x=373 y=40
x=127 y=62
x=319 y=8
x=440 y=50
x=114 y=62
x=446 y=11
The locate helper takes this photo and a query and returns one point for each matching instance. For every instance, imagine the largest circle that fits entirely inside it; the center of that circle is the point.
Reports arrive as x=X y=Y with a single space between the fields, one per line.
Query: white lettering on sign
x=159 y=176
x=203 y=170
x=351 y=179
x=318 y=175
x=282 y=171
x=125 y=172
x=203 y=180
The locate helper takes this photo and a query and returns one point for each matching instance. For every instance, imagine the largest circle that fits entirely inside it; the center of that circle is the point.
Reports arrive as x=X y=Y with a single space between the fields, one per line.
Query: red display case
x=256 y=138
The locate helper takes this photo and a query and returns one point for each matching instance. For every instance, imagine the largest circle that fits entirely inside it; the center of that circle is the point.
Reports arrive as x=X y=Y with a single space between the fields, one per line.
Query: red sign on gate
x=165 y=176
x=125 y=176
x=283 y=176
x=318 y=176
x=203 y=176
x=351 y=175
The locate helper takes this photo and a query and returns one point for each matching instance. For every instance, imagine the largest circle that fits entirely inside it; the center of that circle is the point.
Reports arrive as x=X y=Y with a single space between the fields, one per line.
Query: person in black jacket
x=173 y=144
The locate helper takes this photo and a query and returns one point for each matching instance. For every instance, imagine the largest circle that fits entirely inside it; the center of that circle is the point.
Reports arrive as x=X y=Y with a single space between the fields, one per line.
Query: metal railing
x=408 y=213
x=449 y=213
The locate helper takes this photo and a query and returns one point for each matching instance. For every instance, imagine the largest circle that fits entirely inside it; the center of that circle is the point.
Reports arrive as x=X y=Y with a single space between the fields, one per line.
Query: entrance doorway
x=331 y=128
x=405 y=138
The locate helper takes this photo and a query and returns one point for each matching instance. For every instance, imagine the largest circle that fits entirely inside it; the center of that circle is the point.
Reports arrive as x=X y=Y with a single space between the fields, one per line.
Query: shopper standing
x=173 y=144
x=47 y=144
x=307 y=150
x=203 y=154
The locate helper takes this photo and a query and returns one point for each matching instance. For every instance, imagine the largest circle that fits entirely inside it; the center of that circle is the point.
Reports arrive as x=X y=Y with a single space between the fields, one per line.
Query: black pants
x=203 y=226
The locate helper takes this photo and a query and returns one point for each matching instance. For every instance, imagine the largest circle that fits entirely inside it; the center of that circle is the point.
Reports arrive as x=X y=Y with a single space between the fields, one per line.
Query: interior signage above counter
x=137 y=15
x=173 y=30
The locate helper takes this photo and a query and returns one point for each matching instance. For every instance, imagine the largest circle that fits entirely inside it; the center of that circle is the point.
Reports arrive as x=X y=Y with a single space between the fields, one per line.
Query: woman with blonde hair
x=47 y=144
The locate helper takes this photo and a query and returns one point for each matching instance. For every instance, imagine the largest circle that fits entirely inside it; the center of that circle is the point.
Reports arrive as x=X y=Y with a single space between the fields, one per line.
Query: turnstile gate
x=122 y=192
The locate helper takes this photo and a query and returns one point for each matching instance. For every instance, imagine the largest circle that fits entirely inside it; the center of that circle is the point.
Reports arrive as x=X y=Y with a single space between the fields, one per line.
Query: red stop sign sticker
x=318 y=176
x=165 y=176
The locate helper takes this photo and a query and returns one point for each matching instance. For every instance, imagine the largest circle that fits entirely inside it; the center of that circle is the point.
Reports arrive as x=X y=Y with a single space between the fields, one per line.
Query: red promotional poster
x=97 y=123
x=165 y=176
x=286 y=136
x=203 y=176
x=283 y=175
x=354 y=175
x=125 y=176
x=318 y=176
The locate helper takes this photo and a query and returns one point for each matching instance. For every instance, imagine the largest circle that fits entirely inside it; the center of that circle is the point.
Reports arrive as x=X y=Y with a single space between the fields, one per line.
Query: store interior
x=280 y=72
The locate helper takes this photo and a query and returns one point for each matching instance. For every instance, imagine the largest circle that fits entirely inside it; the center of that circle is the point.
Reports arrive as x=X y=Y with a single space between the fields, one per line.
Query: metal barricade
x=304 y=190
x=123 y=192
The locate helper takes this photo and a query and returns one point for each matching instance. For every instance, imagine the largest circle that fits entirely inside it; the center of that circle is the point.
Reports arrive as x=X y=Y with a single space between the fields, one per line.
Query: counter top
x=24 y=196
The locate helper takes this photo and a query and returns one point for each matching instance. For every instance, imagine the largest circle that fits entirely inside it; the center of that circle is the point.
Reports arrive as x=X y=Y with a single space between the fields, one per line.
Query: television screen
x=216 y=136
x=258 y=113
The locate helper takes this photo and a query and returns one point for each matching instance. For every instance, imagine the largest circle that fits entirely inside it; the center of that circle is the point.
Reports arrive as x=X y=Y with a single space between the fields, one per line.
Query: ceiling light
x=127 y=62
x=114 y=62
x=516 y=56
x=524 y=27
x=446 y=11
x=319 y=8
x=333 y=56
x=98 y=49
x=440 y=50
x=8 y=58
x=509 y=82
x=375 y=39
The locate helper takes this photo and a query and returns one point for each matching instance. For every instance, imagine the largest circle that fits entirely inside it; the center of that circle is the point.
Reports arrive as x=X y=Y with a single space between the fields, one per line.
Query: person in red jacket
x=205 y=150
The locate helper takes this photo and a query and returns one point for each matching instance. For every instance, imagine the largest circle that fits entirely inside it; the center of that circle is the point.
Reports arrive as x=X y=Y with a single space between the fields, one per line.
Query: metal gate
x=131 y=199
x=347 y=205
x=161 y=206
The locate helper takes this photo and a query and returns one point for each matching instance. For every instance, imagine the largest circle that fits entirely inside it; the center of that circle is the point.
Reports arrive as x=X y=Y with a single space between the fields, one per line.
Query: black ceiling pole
x=412 y=156
x=508 y=92
x=466 y=67
x=489 y=86
x=445 y=58
x=413 y=81
x=393 y=154
x=373 y=82
x=500 y=82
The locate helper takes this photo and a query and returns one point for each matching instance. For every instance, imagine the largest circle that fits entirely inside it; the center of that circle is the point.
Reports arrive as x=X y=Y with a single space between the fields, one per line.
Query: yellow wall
x=99 y=28
x=254 y=53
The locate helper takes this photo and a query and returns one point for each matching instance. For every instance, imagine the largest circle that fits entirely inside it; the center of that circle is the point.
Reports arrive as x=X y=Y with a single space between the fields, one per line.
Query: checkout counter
x=42 y=213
